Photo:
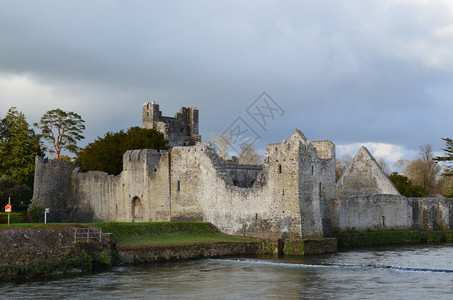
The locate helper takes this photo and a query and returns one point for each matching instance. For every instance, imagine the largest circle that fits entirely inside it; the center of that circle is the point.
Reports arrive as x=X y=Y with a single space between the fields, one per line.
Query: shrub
x=35 y=213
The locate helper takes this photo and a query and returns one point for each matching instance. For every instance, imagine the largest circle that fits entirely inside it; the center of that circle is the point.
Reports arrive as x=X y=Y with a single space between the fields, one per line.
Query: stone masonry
x=182 y=130
x=285 y=196
x=292 y=195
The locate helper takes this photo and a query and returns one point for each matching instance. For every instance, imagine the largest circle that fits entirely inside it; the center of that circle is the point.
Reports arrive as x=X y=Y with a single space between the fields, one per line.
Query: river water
x=406 y=272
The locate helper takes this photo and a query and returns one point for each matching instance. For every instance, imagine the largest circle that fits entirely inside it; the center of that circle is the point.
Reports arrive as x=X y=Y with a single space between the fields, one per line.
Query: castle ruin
x=182 y=130
x=292 y=195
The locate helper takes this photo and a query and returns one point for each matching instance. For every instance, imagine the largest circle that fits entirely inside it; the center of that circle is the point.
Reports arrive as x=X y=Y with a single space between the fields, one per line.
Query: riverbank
x=353 y=239
x=138 y=243
x=33 y=250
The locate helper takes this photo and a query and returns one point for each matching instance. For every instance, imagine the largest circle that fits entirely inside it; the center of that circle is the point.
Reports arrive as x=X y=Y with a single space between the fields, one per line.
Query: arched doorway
x=137 y=208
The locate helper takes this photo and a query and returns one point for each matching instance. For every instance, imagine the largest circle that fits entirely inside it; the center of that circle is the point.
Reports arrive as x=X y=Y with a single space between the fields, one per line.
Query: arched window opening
x=137 y=208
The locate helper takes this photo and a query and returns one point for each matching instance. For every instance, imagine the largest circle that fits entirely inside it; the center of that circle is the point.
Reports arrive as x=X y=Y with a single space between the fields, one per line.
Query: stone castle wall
x=53 y=186
x=371 y=212
x=192 y=183
x=287 y=197
x=431 y=213
x=384 y=211
x=327 y=158
x=292 y=195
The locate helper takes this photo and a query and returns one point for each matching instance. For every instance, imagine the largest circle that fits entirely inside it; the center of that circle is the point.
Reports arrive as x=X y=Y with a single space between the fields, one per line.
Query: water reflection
x=405 y=272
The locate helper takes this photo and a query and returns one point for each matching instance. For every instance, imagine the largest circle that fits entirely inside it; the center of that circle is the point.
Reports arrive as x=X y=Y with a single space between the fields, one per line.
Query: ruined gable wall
x=364 y=177
x=377 y=212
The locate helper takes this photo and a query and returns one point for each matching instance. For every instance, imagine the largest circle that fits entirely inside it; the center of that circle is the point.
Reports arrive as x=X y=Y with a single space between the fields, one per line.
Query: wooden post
x=9 y=213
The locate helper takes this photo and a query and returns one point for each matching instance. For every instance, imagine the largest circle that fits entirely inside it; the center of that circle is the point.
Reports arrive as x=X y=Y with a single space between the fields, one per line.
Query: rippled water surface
x=411 y=272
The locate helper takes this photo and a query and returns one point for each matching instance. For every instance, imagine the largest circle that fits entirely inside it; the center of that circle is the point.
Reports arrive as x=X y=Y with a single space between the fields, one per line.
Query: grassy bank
x=164 y=233
x=15 y=217
x=49 y=249
x=151 y=233
x=39 y=225
x=391 y=237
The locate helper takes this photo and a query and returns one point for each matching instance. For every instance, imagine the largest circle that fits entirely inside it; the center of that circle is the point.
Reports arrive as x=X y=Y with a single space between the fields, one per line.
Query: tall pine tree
x=448 y=157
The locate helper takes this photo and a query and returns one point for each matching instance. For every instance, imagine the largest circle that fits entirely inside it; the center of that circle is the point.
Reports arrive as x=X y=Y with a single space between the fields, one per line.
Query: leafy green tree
x=19 y=145
x=61 y=130
x=406 y=187
x=20 y=193
x=106 y=154
x=448 y=157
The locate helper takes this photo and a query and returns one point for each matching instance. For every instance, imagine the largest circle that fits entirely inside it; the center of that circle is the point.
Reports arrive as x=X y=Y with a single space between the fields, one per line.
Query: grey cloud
x=350 y=71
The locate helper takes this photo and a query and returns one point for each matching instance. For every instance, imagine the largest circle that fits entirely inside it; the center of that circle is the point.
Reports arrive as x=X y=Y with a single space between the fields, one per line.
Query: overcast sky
x=358 y=72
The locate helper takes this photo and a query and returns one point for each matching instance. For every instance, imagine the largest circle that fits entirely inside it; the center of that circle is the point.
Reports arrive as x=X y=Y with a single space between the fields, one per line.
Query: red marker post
x=8 y=209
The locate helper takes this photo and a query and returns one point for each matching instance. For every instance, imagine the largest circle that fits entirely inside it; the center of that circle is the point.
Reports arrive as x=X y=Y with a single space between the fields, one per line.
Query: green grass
x=15 y=217
x=25 y=225
x=390 y=237
x=164 y=233
x=152 y=233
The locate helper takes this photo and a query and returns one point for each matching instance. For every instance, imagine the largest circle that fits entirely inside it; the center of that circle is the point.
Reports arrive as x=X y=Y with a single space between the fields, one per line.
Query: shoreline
x=35 y=251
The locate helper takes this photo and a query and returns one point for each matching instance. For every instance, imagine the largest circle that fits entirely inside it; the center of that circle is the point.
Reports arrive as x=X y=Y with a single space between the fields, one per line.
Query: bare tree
x=424 y=170
x=249 y=155
x=341 y=165
x=401 y=165
x=223 y=142
x=384 y=167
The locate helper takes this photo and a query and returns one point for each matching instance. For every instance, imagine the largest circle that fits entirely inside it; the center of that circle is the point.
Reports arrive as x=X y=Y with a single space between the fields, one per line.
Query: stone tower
x=181 y=130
